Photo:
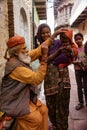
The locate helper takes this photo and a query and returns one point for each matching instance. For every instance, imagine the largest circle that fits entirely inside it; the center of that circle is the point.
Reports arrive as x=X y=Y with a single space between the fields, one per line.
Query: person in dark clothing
x=80 y=65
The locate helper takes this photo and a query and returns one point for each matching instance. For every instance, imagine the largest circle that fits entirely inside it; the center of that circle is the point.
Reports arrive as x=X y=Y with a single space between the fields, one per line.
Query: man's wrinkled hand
x=44 y=49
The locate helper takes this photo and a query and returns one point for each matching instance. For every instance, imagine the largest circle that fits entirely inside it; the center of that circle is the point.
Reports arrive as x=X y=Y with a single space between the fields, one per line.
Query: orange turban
x=69 y=34
x=15 y=40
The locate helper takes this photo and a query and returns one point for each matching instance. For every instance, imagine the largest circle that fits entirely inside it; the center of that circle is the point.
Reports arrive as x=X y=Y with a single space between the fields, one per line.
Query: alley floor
x=77 y=119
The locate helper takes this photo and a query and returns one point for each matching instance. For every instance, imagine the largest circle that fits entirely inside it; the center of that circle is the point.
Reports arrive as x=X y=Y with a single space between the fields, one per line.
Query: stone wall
x=3 y=34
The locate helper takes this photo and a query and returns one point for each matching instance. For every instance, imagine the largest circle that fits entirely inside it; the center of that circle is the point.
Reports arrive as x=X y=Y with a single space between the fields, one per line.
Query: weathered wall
x=23 y=19
x=3 y=34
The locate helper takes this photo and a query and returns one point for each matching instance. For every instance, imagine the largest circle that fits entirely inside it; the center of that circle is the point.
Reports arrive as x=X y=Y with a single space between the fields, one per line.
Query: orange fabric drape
x=36 y=120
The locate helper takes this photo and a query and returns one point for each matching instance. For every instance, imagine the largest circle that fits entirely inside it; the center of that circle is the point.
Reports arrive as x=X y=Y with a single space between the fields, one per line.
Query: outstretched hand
x=44 y=49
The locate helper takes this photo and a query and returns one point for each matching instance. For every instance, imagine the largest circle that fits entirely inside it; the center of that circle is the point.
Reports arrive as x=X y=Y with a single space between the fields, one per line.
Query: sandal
x=79 y=106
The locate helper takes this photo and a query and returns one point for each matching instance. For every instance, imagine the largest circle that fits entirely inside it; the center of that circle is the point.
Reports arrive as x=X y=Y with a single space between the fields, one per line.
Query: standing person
x=80 y=64
x=57 y=96
x=18 y=98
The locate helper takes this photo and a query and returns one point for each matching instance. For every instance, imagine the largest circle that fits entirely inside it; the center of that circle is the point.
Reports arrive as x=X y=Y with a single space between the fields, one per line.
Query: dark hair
x=41 y=26
x=63 y=36
x=78 y=34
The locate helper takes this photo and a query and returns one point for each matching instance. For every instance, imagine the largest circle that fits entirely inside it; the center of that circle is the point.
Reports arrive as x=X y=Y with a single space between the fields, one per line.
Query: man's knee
x=31 y=119
x=43 y=109
x=37 y=118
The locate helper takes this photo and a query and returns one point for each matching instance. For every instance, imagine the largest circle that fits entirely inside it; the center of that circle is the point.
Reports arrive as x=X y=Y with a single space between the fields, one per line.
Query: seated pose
x=18 y=99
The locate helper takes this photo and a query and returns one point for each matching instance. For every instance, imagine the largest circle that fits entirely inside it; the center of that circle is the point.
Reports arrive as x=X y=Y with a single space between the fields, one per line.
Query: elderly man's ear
x=16 y=53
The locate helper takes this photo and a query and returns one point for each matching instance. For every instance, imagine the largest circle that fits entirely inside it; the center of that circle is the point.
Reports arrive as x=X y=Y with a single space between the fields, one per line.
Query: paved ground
x=77 y=119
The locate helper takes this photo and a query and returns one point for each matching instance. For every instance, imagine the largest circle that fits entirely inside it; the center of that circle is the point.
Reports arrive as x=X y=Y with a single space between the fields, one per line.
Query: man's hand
x=44 y=49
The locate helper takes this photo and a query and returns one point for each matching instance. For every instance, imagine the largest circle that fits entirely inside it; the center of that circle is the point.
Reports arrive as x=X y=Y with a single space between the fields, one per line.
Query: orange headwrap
x=15 y=40
x=69 y=34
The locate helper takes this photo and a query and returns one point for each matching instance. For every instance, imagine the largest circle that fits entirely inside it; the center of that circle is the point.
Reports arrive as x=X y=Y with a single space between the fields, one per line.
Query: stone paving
x=77 y=119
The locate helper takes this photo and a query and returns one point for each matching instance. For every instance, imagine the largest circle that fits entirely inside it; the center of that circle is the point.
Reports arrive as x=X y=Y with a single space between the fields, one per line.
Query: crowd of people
x=18 y=99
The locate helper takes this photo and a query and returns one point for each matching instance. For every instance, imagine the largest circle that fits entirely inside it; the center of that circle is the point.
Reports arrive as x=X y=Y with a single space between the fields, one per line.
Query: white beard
x=24 y=58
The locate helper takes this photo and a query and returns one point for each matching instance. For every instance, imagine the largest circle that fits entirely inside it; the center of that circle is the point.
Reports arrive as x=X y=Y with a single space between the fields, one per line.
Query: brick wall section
x=3 y=34
x=10 y=18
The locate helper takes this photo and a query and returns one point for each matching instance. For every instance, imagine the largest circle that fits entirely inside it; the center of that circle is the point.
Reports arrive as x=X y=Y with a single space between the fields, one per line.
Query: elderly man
x=18 y=98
